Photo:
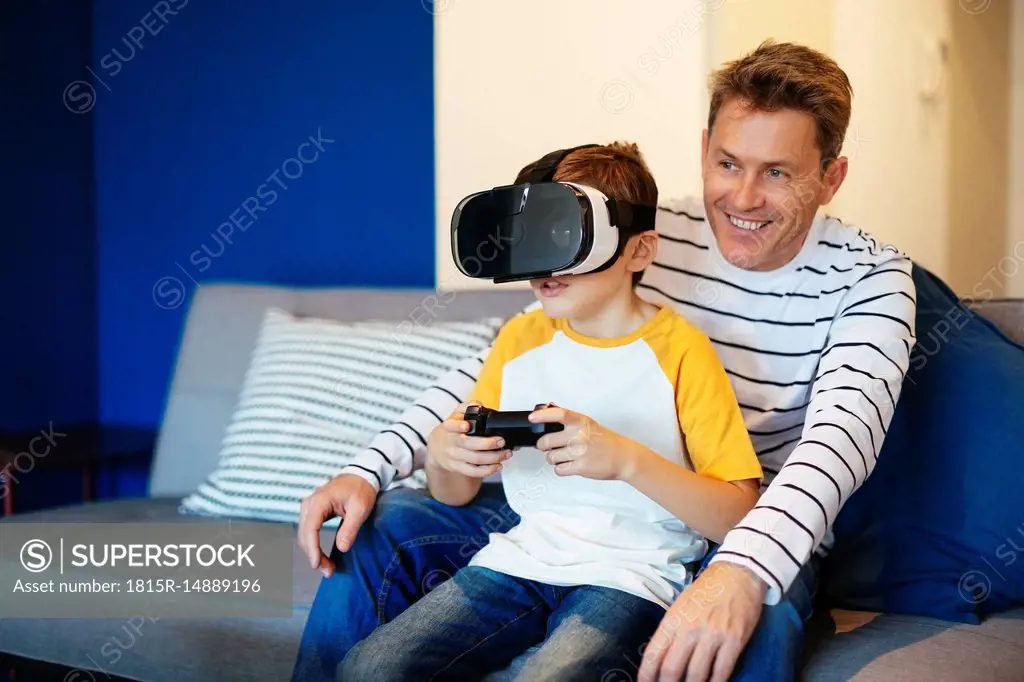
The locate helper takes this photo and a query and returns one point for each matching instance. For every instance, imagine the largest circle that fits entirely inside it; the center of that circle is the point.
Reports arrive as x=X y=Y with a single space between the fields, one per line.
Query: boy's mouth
x=549 y=287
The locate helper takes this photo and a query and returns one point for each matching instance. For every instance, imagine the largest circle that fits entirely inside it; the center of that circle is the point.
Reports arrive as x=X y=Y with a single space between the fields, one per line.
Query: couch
x=220 y=331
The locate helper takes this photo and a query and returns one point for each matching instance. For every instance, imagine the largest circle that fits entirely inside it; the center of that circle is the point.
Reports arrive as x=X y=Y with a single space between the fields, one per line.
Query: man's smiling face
x=763 y=183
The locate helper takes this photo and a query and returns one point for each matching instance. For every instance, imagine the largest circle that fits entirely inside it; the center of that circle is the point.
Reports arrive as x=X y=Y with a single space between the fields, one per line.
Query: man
x=814 y=323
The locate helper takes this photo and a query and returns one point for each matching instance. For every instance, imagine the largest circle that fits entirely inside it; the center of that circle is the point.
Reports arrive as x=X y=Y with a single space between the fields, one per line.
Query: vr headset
x=542 y=228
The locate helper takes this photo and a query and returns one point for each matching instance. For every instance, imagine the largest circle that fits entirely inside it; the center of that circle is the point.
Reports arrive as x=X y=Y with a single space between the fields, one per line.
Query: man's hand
x=347 y=496
x=450 y=449
x=707 y=628
x=584 y=447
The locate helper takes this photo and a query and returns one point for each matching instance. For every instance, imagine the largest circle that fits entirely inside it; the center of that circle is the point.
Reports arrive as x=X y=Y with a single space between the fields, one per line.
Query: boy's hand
x=450 y=449
x=584 y=447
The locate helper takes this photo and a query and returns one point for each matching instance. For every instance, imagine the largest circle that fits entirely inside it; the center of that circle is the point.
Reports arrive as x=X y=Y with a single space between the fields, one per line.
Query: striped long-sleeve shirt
x=816 y=351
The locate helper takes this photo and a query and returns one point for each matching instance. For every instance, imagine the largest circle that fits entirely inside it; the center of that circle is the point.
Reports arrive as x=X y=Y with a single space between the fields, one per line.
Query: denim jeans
x=412 y=543
x=409 y=545
x=480 y=620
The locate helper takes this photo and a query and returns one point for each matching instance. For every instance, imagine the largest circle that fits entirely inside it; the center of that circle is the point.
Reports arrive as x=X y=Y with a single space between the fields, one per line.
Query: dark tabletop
x=77 y=445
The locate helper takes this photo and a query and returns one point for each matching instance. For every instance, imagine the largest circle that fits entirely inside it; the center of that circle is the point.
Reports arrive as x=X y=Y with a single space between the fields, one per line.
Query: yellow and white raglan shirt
x=662 y=386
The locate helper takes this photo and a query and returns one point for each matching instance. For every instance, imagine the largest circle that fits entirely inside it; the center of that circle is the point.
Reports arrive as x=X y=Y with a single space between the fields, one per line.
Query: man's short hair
x=789 y=76
x=617 y=170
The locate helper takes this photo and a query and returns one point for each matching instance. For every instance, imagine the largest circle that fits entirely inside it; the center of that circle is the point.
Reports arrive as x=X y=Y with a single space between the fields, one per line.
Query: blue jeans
x=409 y=545
x=412 y=543
x=481 y=620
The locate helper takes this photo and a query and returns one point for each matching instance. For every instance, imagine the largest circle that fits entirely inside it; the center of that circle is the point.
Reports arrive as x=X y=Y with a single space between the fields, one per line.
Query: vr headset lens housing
x=522 y=231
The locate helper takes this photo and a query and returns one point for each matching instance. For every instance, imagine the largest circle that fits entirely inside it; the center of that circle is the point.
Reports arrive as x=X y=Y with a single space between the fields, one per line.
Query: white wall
x=515 y=79
x=898 y=142
x=1015 y=224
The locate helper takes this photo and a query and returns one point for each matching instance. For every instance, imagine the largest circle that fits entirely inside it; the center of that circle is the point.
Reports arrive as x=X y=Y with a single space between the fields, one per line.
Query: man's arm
x=853 y=398
x=400 y=449
x=394 y=453
x=454 y=474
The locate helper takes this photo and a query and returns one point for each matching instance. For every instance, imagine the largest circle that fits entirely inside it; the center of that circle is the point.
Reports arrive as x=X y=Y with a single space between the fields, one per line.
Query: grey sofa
x=214 y=353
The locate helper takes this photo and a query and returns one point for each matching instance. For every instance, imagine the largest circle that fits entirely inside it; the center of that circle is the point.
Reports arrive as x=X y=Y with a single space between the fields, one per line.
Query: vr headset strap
x=631 y=218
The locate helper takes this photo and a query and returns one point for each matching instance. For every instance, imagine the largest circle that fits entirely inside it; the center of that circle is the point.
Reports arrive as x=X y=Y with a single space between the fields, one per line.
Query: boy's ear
x=643 y=250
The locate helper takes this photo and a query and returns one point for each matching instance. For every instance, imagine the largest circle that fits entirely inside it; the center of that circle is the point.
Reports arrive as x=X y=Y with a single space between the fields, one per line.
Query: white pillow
x=316 y=393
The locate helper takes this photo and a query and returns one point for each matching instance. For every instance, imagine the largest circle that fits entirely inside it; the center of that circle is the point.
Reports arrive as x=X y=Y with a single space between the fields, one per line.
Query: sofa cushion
x=886 y=647
x=316 y=393
x=937 y=530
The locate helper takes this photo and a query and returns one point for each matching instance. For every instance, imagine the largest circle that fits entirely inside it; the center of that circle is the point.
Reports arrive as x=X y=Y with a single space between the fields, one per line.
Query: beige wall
x=515 y=79
x=936 y=161
x=1015 y=194
x=898 y=142
x=979 y=154
x=740 y=25
x=899 y=138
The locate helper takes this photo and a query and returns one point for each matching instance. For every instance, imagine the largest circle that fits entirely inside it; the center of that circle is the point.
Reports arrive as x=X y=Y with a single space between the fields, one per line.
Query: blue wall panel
x=48 y=351
x=277 y=141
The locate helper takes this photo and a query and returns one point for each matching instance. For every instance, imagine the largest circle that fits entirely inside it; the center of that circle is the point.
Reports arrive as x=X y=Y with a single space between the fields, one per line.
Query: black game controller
x=513 y=426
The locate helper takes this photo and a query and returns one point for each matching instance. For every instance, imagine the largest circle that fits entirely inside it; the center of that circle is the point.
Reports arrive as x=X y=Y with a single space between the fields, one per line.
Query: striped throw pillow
x=316 y=393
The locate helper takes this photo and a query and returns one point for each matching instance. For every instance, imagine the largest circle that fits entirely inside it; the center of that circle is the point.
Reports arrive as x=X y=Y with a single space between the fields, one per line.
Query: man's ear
x=704 y=147
x=835 y=173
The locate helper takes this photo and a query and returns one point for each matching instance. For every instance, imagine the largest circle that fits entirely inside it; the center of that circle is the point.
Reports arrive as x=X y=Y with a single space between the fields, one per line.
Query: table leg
x=8 y=490
x=88 y=483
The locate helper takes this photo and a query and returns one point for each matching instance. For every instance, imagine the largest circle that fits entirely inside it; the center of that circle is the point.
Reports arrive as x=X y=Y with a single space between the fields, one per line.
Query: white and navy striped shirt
x=816 y=350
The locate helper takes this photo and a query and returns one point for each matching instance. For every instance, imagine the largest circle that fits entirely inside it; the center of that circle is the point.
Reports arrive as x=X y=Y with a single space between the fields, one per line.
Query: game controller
x=514 y=426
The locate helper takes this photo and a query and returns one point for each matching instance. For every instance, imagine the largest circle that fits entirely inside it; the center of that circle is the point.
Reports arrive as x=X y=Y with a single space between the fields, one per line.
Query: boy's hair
x=617 y=170
x=787 y=76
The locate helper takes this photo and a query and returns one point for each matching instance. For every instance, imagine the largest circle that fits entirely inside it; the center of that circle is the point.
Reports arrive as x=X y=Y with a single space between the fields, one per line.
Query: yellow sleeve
x=519 y=335
x=710 y=417
x=488 y=383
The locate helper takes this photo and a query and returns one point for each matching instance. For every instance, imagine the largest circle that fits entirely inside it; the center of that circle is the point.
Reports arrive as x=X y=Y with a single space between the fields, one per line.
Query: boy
x=616 y=509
